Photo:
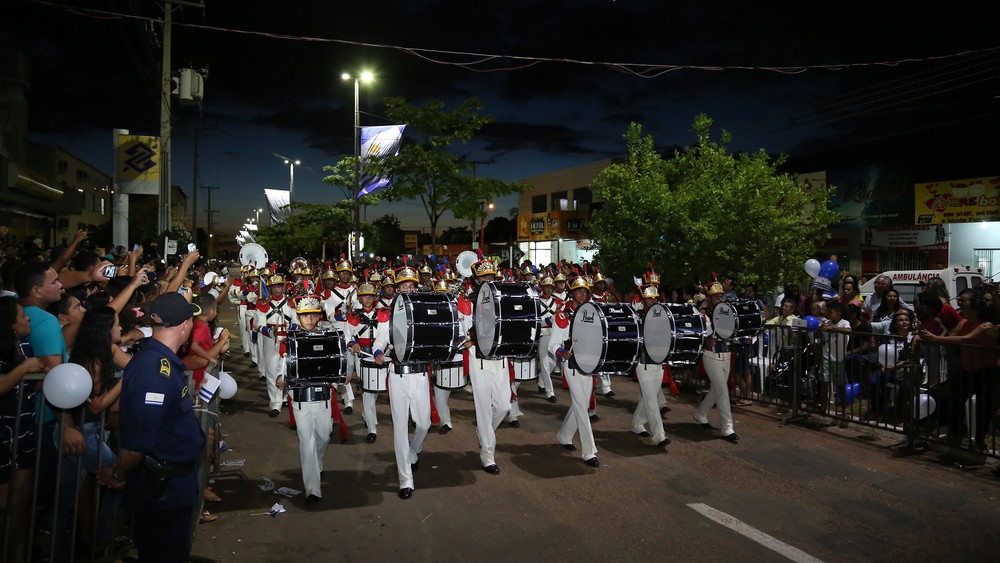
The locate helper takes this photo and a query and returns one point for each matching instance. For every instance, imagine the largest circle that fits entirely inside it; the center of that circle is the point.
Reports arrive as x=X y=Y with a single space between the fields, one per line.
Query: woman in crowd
x=889 y=306
x=69 y=310
x=896 y=356
x=15 y=484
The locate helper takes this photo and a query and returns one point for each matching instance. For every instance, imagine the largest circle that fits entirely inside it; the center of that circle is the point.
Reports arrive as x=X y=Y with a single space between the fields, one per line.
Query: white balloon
x=812 y=267
x=67 y=386
x=887 y=355
x=925 y=406
x=228 y=387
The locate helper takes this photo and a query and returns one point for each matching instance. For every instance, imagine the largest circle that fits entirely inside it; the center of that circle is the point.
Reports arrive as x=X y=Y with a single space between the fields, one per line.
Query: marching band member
x=362 y=325
x=581 y=385
x=559 y=287
x=271 y=321
x=598 y=287
x=490 y=378
x=388 y=292
x=650 y=376
x=409 y=396
x=312 y=408
x=250 y=293
x=716 y=361
x=549 y=306
x=441 y=394
x=338 y=301
x=425 y=278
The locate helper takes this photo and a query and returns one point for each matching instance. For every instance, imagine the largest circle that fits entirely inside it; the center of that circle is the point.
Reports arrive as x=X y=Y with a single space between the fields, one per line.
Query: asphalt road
x=802 y=492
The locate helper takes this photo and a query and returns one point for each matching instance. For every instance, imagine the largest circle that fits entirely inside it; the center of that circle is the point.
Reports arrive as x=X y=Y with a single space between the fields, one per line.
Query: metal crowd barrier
x=928 y=399
x=92 y=525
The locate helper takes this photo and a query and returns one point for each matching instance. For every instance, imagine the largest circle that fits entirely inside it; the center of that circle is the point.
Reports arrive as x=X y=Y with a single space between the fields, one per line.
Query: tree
x=706 y=210
x=308 y=233
x=456 y=235
x=386 y=237
x=427 y=171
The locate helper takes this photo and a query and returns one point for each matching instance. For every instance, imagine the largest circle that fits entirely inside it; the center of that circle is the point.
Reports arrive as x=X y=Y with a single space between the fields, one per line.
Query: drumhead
x=587 y=334
x=657 y=332
x=724 y=320
x=484 y=317
x=400 y=326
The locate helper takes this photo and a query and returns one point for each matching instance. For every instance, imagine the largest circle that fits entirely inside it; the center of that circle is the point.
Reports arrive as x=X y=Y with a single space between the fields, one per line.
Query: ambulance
x=907 y=282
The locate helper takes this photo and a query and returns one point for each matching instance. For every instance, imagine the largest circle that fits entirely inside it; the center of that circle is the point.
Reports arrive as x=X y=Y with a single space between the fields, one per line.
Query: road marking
x=756 y=535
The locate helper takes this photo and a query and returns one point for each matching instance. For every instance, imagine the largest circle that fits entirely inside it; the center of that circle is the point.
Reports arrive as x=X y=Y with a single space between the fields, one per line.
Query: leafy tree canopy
x=706 y=210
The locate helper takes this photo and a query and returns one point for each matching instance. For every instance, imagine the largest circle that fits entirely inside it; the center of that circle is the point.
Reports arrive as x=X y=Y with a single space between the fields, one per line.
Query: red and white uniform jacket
x=275 y=316
x=363 y=328
x=339 y=301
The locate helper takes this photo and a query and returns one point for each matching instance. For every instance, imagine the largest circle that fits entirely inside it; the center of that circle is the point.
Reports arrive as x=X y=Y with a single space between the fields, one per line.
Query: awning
x=29 y=182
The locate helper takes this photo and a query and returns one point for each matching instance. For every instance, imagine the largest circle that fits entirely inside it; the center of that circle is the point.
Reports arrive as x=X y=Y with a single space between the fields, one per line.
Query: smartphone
x=135 y=247
x=110 y=271
x=192 y=247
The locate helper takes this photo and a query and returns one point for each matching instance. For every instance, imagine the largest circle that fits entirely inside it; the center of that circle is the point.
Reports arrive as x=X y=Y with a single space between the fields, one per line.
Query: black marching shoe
x=663 y=443
x=594 y=417
x=415 y=466
x=592 y=462
x=515 y=423
x=569 y=447
x=445 y=429
x=312 y=499
x=664 y=409
x=609 y=394
x=551 y=399
x=732 y=438
x=348 y=410
x=541 y=389
x=492 y=469
x=273 y=413
x=261 y=378
x=371 y=437
x=405 y=493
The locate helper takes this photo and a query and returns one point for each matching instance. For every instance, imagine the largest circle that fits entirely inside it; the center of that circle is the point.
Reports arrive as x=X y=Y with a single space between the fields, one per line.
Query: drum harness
x=277 y=309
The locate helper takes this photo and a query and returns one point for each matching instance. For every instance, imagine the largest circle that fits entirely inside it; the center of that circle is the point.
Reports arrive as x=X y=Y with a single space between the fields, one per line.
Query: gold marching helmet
x=406 y=273
x=367 y=288
x=308 y=304
x=714 y=288
x=484 y=267
x=376 y=279
x=329 y=273
x=560 y=277
x=578 y=282
x=389 y=278
x=253 y=272
x=597 y=277
x=276 y=279
x=651 y=277
x=442 y=285
x=344 y=265
x=546 y=281
x=425 y=269
x=650 y=291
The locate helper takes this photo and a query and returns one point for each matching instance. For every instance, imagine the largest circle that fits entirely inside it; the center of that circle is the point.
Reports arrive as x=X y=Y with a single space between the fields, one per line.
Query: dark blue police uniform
x=157 y=419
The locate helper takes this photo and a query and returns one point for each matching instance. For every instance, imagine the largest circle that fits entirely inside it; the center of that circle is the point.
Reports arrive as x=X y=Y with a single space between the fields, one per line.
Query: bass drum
x=605 y=338
x=507 y=321
x=314 y=358
x=423 y=328
x=737 y=319
x=673 y=333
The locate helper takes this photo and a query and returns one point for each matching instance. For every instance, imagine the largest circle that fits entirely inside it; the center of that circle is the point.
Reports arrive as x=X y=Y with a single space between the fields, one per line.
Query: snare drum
x=315 y=357
x=373 y=376
x=507 y=320
x=605 y=338
x=450 y=375
x=524 y=370
x=737 y=319
x=424 y=328
x=673 y=333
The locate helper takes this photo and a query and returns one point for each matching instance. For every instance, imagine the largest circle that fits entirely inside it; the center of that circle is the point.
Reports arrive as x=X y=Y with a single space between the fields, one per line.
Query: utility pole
x=211 y=223
x=195 y=183
x=166 y=86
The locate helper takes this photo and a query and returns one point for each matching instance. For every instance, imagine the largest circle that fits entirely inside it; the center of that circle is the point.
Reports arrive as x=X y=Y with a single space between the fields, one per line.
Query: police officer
x=161 y=441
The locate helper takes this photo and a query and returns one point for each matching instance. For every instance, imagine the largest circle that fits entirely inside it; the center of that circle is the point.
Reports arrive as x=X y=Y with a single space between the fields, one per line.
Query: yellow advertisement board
x=552 y=225
x=957 y=201
x=138 y=164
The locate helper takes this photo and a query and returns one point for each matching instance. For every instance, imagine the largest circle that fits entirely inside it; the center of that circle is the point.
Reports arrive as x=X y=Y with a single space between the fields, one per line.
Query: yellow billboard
x=138 y=165
x=957 y=201
x=552 y=225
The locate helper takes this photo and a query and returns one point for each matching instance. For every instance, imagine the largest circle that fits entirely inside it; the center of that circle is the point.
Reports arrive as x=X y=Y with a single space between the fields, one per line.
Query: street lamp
x=482 y=224
x=291 y=177
x=365 y=76
x=257 y=212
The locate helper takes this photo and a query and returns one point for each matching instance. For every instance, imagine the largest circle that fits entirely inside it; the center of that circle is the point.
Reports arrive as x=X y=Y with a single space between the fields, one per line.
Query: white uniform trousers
x=248 y=340
x=313 y=424
x=270 y=362
x=441 y=397
x=605 y=383
x=409 y=396
x=647 y=411
x=577 y=419
x=241 y=320
x=546 y=363
x=491 y=394
x=515 y=411
x=368 y=400
x=717 y=368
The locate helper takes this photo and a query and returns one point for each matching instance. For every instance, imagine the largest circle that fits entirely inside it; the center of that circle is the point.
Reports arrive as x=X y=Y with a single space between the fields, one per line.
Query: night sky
x=563 y=79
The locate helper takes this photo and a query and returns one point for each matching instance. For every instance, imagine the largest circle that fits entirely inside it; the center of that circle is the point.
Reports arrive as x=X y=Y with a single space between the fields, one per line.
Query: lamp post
x=365 y=76
x=257 y=213
x=482 y=225
x=291 y=177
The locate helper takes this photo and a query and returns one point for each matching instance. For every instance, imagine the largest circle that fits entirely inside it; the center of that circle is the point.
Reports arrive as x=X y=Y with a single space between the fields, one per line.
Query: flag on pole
x=277 y=205
x=378 y=142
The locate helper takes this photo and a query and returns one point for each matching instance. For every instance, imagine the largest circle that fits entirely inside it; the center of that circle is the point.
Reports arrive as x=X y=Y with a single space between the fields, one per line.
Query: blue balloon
x=433 y=257
x=812 y=322
x=829 y=269
x=851 y=393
